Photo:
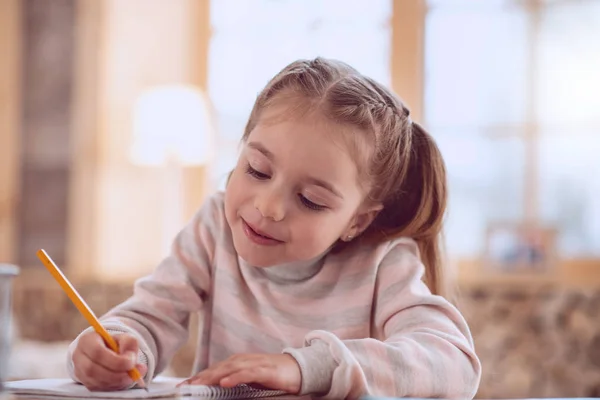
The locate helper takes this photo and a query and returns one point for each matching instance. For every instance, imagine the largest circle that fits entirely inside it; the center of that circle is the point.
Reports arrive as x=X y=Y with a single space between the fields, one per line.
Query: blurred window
x=511 y=96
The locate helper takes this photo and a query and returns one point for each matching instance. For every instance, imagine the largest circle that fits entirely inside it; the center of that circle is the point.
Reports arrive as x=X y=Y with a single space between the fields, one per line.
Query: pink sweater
x=359 y=322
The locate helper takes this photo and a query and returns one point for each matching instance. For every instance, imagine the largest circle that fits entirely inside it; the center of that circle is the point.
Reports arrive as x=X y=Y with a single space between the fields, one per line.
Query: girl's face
x=294 y=192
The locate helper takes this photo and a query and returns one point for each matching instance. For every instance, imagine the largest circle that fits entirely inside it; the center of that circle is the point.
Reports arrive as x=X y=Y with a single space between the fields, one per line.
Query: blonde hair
x=405 y=169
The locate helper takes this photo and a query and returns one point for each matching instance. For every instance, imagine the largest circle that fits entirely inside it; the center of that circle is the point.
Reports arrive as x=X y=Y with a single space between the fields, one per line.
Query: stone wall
x=542 y=342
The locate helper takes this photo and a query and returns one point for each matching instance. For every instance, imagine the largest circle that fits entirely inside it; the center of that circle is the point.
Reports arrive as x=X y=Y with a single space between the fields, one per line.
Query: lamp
x=171 y=129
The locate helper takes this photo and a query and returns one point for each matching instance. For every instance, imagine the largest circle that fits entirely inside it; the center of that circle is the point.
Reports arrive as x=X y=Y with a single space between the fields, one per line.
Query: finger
x=127 y=343
x=104 y=379
x=213 y=375
x=96 y=376
x=93 y=347
x=128 y=346
x=183 y=383
x=111 y=386
x=247 y=376
x=203 y=377
x=142 y=369
x=187 y=381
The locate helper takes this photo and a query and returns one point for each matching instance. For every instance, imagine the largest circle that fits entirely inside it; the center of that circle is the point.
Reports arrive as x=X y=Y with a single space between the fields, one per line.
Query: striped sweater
x=358 y=322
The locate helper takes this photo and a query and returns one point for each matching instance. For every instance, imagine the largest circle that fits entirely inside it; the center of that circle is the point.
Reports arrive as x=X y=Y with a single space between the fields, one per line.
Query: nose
x=271 y=204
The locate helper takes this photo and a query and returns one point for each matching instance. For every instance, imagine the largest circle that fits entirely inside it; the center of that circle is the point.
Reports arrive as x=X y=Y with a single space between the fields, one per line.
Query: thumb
x=128 y=346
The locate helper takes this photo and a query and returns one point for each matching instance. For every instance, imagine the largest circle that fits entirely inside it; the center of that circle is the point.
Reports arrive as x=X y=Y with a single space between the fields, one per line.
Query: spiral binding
x=238 y=392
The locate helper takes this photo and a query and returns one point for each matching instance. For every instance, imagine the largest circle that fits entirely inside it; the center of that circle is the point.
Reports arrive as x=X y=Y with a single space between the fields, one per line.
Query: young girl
x=308 y=272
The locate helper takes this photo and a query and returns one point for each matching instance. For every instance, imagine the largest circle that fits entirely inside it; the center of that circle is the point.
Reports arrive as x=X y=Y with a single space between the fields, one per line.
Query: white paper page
x=160 y=387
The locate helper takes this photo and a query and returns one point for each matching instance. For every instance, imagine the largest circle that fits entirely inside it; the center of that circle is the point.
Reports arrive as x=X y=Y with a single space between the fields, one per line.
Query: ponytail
x=427 y=223
x=417 y=206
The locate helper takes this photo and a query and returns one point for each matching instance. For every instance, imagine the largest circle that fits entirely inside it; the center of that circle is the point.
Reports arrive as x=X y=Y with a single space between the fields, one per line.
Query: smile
x=259 y=237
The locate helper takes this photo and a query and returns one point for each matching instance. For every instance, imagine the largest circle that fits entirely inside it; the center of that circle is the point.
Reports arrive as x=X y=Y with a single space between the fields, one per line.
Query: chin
x=258 y=258
x=254 y=255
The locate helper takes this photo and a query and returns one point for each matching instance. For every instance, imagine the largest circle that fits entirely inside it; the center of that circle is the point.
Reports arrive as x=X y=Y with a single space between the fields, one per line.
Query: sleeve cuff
x=316 y=366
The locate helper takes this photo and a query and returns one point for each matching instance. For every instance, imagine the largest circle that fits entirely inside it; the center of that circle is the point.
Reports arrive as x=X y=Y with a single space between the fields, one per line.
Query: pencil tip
x=142 y=385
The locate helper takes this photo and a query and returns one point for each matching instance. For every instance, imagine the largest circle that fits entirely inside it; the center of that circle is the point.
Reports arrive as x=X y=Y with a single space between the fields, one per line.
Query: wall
x=47 y=33
x=37 y=46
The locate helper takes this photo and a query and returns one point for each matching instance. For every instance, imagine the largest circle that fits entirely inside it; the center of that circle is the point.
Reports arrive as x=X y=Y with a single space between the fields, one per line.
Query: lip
x=259 y=237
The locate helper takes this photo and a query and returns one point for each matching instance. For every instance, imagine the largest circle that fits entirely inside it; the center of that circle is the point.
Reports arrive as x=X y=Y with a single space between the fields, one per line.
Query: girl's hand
x=274 y=371
x=99 y=368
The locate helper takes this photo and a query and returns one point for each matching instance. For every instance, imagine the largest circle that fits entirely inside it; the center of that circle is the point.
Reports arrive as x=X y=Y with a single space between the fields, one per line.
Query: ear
x=361 y=221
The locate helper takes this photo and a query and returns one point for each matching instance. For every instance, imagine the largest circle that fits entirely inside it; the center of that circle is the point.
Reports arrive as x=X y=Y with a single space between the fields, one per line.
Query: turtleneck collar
x=292 y=272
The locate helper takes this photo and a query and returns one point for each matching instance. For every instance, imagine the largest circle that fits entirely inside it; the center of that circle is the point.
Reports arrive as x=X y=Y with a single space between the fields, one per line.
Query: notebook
x=161 y=387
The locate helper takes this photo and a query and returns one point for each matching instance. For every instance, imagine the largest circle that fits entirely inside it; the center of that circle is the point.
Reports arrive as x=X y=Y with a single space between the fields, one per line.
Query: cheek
x=319 y=230
x=235 y=191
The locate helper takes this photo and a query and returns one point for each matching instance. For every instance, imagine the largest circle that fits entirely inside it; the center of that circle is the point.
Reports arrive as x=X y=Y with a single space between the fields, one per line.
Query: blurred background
x=117 y=118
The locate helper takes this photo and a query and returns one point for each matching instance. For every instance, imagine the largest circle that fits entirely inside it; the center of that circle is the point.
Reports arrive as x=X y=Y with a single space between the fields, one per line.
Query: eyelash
x=305 y=202
x=256 y=174
x=310 y=205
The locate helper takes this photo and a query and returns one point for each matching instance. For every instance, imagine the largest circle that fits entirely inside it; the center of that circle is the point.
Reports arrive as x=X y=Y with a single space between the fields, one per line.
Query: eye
x=310 y=205
x=256 y=174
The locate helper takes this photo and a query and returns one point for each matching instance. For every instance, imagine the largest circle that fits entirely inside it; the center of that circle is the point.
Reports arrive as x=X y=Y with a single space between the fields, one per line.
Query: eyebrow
x=326 y=186
x=259 y=147
x=314 y=181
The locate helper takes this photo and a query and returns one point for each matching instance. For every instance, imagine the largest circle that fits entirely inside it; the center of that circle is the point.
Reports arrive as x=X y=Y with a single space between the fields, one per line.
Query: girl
x=308 y=271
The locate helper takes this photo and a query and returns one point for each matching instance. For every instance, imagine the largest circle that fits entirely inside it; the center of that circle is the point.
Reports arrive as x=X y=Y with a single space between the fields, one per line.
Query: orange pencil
x=85 y=310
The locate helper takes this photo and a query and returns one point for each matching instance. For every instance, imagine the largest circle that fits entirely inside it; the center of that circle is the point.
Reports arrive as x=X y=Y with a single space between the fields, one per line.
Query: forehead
x=308 y=144
x=289 y=105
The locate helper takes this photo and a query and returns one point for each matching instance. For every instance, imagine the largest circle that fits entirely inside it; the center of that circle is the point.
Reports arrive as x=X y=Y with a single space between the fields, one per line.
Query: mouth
x=258 y=236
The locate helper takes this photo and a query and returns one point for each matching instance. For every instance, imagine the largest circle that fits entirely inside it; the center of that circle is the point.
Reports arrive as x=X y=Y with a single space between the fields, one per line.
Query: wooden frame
x=520 y=248
x=407 y=53
x=10 y=116
x=83 y=192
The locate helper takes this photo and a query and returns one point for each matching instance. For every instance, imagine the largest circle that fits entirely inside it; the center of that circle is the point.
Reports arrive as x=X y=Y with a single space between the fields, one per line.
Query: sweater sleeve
x=421 y=345
x=159 y=310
